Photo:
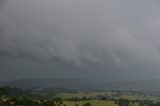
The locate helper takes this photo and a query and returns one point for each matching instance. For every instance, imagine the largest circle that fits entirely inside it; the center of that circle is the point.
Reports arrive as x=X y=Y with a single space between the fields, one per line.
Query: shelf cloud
x=109 y=32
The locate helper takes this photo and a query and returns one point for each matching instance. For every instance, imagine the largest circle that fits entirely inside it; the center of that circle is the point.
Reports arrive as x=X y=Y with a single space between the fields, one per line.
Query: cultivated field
x=109 y=95
x=94 y=103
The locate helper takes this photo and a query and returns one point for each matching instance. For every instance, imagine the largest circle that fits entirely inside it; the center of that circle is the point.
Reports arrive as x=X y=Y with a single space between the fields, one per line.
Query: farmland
x=95 y=103
x=14 y=96
x=110 y=95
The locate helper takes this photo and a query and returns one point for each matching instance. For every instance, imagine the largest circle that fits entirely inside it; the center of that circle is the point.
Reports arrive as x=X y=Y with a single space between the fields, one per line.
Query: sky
x=102 y=40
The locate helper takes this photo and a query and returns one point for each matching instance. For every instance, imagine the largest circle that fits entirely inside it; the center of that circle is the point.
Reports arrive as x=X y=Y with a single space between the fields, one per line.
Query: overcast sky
x=94 y=39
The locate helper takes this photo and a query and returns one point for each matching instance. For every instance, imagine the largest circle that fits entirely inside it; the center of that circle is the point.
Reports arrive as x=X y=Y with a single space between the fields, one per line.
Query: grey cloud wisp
x=111 y=32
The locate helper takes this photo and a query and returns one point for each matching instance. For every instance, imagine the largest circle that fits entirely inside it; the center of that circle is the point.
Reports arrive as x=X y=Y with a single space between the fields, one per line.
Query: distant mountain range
x=78 y=84
x=48 y=83
x=145 y=86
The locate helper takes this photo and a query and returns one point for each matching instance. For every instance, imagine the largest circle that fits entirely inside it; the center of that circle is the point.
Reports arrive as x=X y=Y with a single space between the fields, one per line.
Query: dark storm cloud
x=1 y=1
x=111 y=32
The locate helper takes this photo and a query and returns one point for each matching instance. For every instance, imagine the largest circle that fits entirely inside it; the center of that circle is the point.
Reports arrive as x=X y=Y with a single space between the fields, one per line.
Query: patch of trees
x=149 y=103
x=122 y=102
x=8 y=91
x=79 y=99
x=87 y=104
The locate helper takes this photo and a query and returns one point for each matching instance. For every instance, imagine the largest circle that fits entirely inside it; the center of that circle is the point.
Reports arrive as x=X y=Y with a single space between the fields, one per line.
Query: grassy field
x=94 y=103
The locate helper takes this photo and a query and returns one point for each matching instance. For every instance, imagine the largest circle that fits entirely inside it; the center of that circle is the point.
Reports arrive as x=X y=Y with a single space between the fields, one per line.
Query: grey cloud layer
x=110 y=32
